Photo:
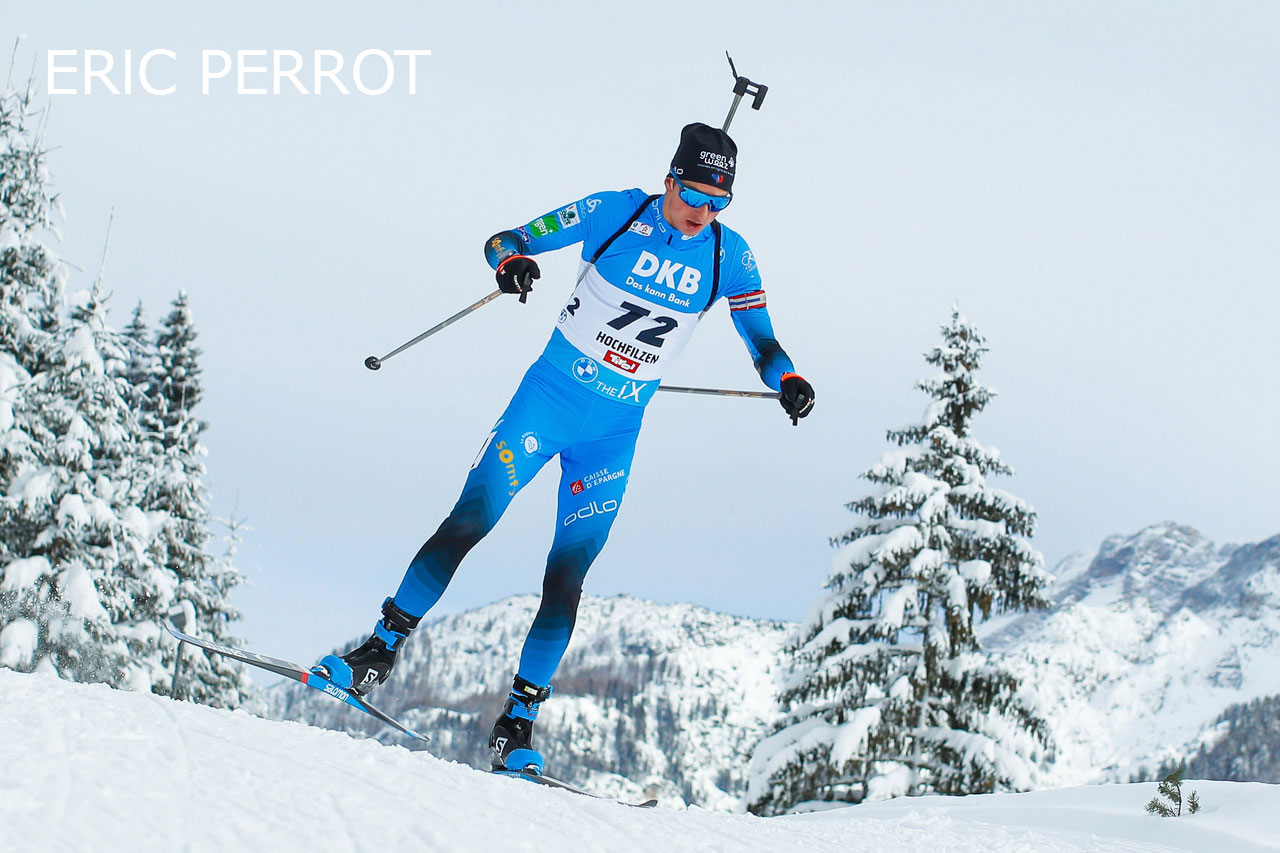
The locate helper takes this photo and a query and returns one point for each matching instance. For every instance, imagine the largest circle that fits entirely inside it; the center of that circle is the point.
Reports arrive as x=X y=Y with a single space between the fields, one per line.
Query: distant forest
x=1249 y=751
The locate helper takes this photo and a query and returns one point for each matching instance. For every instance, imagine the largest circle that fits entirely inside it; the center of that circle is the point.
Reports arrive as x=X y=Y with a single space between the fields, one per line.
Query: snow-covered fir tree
x=31 y=282
x=142 y=371
x=103 y=512
x=84 y=579
x=72 y=539
x=205 y=581
x=889 y=692
x=31 y=276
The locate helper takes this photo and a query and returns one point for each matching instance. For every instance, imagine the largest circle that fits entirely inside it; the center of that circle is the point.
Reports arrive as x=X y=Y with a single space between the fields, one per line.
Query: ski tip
x=565 y=786
x=173 y=630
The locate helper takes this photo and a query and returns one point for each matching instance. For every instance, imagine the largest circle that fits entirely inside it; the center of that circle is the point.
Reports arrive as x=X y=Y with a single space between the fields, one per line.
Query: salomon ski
x=556 y=783
x=297 y=673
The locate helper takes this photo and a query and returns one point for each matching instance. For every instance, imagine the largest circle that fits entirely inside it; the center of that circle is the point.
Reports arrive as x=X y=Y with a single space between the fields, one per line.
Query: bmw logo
x=585 y=369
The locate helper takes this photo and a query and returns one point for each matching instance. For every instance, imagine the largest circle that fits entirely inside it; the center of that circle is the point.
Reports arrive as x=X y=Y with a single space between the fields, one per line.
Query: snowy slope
x=1152 y=636
x=664 y=700
x=84 y=767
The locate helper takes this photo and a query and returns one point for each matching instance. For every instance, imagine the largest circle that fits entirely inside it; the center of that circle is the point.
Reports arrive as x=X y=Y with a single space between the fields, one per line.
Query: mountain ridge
x=1150 y=637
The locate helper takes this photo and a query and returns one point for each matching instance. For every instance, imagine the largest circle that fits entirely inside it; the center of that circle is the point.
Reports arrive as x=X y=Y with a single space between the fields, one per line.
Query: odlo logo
x=591 y=509
x=649 y=264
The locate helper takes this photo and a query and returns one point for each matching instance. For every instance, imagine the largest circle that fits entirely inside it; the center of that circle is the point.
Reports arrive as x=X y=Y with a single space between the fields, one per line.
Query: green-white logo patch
x=569 y=216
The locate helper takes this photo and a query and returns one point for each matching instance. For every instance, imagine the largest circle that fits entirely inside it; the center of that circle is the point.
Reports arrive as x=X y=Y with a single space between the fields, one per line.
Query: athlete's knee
x=562 y=584
x=463 y=529
x=456 y=536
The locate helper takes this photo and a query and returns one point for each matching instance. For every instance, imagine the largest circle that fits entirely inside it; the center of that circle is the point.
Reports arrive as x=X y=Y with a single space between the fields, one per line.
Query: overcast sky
x=1096 y=184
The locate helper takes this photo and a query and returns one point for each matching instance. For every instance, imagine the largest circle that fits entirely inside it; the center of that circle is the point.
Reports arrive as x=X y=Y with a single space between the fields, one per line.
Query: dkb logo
x=649 y=264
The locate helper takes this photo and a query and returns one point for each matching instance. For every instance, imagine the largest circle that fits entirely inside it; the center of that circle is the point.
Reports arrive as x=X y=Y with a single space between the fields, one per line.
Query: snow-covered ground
x=85 y=767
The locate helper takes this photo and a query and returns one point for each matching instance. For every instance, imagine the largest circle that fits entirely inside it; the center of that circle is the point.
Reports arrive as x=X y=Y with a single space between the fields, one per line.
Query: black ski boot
x=368 y=665
x=511 y=743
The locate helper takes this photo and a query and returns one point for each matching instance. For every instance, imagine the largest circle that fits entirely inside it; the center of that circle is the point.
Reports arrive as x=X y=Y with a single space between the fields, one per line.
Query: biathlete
x=651 y=267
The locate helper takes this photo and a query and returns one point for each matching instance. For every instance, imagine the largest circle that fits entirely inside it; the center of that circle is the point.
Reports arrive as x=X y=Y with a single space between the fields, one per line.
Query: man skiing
x=651 y=267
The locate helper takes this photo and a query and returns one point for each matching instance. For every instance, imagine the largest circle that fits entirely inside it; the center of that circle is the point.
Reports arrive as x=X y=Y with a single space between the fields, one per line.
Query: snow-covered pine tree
x=31 y=275
x=204 y=580
x=86 y=580
x=889 y=692
x=142 y=374
x=31 y=282
x=86 y=475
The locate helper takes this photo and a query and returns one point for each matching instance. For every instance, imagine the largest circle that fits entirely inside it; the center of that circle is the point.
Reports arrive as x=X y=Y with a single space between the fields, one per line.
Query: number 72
x=651 y=336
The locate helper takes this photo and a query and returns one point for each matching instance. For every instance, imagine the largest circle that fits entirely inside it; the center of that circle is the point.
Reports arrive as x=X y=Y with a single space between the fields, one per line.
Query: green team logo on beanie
x=716 y=160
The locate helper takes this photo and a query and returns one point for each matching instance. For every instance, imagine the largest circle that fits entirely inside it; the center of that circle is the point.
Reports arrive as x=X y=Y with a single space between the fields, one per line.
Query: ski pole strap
x=626 y=226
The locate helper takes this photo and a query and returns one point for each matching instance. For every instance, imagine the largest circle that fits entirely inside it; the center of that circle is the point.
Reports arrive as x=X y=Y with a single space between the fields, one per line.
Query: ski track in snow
x=84 y=767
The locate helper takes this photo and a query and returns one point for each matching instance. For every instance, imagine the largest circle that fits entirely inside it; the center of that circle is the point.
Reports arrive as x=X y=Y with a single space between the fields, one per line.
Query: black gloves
x=796 y=397
x=516 y=275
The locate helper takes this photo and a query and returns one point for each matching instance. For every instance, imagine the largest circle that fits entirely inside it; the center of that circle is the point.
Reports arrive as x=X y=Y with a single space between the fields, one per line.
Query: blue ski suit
x=633 y=310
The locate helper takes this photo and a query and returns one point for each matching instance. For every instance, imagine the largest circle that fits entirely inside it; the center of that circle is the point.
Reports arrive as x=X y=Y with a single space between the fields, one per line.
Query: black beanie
x=706 y=155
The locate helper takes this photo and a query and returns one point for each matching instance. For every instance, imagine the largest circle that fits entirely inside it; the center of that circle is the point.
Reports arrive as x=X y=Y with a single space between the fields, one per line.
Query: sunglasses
x=694 y=198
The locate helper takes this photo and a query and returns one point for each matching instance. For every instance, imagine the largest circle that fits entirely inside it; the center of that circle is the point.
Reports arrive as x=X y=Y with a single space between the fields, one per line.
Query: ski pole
x=721 y=392
x=373 y=362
